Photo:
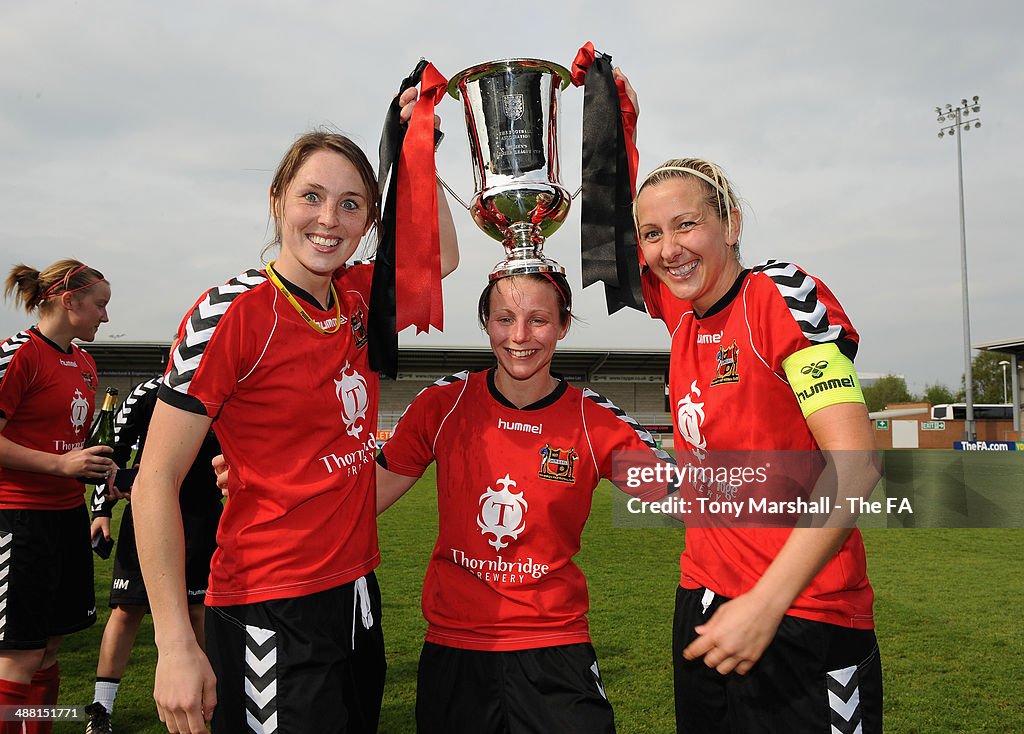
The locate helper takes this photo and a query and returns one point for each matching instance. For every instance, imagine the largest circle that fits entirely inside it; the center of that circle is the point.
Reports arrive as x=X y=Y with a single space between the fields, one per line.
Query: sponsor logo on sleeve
x=816 y=370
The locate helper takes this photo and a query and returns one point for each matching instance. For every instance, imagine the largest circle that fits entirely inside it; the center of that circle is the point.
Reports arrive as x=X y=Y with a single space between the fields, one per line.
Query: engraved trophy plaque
x=511 y=110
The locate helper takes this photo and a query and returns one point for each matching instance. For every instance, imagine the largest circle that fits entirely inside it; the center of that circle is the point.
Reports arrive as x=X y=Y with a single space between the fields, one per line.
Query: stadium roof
x=129 y=358
x=146 y=358
x=1006 y=346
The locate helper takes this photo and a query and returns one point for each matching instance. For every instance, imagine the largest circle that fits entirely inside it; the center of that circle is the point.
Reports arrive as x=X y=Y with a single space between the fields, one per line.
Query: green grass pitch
x=948 y=611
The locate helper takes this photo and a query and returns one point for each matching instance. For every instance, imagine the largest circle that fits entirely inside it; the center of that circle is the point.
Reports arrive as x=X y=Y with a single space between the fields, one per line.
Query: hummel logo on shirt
x=516 y=426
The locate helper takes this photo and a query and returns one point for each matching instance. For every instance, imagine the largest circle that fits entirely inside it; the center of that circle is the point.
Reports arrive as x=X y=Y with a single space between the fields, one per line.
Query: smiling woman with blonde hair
x=774 y=627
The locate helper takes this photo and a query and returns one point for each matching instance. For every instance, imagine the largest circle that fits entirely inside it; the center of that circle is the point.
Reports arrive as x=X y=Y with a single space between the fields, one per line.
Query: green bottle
x=102 y=432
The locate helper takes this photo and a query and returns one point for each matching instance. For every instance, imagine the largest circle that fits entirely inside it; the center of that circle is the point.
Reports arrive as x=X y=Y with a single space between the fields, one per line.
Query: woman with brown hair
x=276 y=360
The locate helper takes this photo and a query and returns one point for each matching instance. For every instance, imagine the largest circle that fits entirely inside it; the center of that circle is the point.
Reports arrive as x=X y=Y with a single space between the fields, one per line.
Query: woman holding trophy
x=774 y=627
x=293 y=608
x=507 y=647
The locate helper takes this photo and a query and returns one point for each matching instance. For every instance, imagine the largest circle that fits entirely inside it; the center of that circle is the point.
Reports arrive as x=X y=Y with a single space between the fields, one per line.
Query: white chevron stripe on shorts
x=6 y=546
x=260 y=680
x=844 y=700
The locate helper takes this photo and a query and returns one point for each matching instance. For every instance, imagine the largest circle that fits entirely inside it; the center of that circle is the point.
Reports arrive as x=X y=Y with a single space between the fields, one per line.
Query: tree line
x=987 y=376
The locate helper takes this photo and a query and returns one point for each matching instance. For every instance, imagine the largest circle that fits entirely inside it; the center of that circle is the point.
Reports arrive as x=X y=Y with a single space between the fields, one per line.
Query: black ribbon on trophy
x=608 y=232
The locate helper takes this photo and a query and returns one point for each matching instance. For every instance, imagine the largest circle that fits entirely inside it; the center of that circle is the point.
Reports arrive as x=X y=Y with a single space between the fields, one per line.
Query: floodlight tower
x=951 y=121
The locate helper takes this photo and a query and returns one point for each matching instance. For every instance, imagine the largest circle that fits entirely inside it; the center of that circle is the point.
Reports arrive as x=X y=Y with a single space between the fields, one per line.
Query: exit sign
x=933 y=426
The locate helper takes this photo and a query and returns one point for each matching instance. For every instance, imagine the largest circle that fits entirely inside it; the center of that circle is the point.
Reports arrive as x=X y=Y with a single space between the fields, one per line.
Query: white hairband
x=729 y=200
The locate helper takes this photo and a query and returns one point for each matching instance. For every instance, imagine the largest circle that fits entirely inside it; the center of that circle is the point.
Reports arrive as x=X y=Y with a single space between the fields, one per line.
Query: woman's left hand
x=100 y=526
x=113 y=493
x=630 y=92
x=222 y=470
x=408 y=101
x=736 y=635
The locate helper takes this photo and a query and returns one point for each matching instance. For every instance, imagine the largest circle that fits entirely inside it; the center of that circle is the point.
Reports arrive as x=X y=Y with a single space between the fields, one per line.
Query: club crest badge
x=90 y=380
x=502 y=513
x=514 y=106
x=354 y=398
x=79 y=411
x=558 y=464
x=359 y=328
x=728 y=364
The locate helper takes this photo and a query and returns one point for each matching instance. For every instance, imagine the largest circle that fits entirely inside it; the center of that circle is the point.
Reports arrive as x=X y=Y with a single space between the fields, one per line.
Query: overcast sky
x=140 y=138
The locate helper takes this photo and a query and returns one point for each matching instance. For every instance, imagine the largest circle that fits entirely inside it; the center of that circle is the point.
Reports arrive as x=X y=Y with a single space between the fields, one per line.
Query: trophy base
x=524 y=266
x=524 y=253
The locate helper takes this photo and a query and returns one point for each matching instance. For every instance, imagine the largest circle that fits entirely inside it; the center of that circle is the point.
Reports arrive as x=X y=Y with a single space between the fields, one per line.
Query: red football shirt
x=47 y=396
x=514 y=491
x=729 y=392
x=295 y=412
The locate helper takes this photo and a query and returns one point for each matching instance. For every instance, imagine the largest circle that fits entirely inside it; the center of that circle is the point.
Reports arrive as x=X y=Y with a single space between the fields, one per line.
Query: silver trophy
x=512 y=117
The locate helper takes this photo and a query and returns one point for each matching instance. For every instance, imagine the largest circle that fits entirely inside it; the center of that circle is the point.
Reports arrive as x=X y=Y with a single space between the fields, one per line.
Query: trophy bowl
x=511 y=108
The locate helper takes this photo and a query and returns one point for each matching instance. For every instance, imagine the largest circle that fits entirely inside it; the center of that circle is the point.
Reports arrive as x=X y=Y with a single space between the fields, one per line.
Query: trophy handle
x=458 y=198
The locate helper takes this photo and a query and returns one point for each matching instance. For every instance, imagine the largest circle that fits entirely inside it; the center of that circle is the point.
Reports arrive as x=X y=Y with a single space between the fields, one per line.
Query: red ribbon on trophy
x=418 y=243
x=410 y=208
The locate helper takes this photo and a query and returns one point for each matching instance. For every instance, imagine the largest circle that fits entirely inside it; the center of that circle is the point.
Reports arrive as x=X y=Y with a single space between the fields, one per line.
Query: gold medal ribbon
x=276 y=280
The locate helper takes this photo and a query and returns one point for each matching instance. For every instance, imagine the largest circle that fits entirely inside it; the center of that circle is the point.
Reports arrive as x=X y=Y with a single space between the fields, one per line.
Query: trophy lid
x=502 y=65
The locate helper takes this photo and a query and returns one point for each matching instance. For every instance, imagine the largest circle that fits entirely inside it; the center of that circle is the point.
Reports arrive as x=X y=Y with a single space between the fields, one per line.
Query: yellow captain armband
x=821 y=376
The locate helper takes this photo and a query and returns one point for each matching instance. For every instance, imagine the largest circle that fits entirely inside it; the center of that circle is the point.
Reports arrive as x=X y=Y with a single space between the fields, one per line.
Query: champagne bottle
x=102 y=432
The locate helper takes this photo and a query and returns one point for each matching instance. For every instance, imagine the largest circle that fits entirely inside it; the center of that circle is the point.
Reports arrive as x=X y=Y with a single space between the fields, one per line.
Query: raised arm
x=627 y=89
x=449 y=237
x=184 y=690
